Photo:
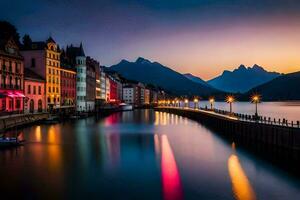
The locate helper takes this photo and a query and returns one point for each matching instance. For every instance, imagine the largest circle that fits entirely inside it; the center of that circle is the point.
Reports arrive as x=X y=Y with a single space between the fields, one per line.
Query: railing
x=247 y=117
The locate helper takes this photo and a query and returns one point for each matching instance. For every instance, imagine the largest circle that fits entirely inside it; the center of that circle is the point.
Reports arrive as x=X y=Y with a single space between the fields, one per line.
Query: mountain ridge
x=154 y=73
x=242 y=79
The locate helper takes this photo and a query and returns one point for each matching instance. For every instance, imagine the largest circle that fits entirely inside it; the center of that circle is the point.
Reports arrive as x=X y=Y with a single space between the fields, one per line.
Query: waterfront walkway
x=241 y=117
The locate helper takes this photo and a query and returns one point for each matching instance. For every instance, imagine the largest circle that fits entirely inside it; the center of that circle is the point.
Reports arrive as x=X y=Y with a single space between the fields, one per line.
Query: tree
x=26 y=41
x=8 y=30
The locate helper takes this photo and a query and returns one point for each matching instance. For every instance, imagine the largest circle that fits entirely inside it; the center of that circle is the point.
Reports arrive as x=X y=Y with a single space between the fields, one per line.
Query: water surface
x=137 y=155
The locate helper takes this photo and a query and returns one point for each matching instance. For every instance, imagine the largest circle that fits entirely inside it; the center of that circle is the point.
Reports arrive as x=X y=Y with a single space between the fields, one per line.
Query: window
x=10 y=66
x=56 y=90
x=29 y=89
x=49 y=71
x=53 y=89
x=34 y=89
x=40 y=90
x=17 y=68
x=49 y=89
x=32 y=62
x=16 y=83
x=18 y=104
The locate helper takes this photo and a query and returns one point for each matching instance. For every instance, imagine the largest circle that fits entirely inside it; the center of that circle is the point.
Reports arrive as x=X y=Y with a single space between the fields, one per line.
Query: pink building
x=11 y=77
x=35 y=100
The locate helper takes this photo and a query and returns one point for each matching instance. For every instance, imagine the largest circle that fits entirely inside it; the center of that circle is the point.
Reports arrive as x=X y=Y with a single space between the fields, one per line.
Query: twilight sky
x=203 y=37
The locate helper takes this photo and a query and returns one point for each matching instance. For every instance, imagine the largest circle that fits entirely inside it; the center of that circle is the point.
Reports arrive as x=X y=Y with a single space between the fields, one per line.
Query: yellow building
x=53 y=74
x=44 y=59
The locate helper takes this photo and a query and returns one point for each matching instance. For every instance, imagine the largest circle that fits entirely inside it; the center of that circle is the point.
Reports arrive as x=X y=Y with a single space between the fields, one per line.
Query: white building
x=129 y=94
x=102 y=85
x=107 y=88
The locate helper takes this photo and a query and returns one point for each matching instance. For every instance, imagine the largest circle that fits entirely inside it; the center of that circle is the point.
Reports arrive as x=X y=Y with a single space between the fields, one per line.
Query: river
x=139 y=154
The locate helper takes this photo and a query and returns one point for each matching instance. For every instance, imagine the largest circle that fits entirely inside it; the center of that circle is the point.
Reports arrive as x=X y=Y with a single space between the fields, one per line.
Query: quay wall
x=247 y=131
x=20 y=120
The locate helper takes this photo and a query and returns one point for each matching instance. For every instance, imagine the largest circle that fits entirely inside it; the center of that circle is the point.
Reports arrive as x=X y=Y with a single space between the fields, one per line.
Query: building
x=146 y=96
x=153 y=96
x=98 y=101
x=107 y=88
x=34 y=87
x=91 y=66
x=68 y=82
x=129 y=93
x=68 y=87
x=102 y=85
x=11 y=77
x=113 y=93
x=44 y=59
x=76 y=57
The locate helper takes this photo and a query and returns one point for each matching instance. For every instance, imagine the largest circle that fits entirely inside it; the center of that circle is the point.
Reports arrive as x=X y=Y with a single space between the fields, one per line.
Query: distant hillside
x=285 y=87
x=242 y=79
x=154 y=73
x=196 y=79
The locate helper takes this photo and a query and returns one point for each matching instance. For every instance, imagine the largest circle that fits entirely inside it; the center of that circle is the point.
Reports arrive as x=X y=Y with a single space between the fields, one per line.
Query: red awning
x=11 y=94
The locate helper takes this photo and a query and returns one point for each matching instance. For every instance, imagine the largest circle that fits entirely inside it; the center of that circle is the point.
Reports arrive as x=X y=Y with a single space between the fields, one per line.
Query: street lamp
x=177 y=103
x=196 y=103
x=230 y=99
x=211 y=101
x=186 y=101
x=256 y=100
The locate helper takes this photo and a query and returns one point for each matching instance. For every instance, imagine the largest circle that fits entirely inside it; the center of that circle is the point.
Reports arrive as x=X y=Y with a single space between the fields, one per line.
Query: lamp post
x=230 y=100
x=177 y=103
x=256 y=100
x=186 y=101
x=196 y=103
x=211 y=101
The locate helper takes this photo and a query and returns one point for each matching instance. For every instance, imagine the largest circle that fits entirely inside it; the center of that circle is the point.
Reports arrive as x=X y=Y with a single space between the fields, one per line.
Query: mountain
x=154 y=73
x=196 y=79
x=284 y=87
x=242 y=79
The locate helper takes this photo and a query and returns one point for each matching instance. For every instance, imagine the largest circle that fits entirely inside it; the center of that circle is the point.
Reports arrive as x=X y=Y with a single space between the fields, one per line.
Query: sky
x=202 y=37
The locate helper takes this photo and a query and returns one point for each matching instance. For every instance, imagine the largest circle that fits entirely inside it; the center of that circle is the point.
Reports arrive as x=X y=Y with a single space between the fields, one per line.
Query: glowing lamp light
x=211 y=100
x=255 y=98
x=196 y=100
x=230 y=99
x=186 y=101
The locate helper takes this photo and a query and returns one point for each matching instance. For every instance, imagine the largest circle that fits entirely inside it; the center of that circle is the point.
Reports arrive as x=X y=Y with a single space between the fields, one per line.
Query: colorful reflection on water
x=136 y=155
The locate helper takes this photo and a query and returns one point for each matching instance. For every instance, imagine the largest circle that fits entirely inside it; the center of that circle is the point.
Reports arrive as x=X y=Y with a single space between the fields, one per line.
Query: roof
x=72 y=51
x=39 y=45
x=50 y=39
x=29 y=74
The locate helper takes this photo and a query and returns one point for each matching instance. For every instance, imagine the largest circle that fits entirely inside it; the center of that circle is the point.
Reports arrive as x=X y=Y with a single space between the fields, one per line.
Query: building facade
x=129 y=94
x=11 y=77
x=34 y=87
x=44 y=59
x=102 y=84
x=113 y=91
x=68 y=87
x=76 y=57
x=91 y=66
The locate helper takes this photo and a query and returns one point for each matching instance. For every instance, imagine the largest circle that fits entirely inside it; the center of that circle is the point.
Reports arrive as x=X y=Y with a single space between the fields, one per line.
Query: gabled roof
x=50 y=39
x=72 y=51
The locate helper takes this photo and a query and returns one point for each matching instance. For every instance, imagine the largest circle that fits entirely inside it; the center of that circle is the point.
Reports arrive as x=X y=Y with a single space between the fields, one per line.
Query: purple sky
x=203 y=37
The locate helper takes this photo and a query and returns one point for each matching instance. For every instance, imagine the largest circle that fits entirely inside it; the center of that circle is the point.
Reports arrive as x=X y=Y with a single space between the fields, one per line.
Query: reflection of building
x=44 y=59
x=34 y=88
x=11 y=77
